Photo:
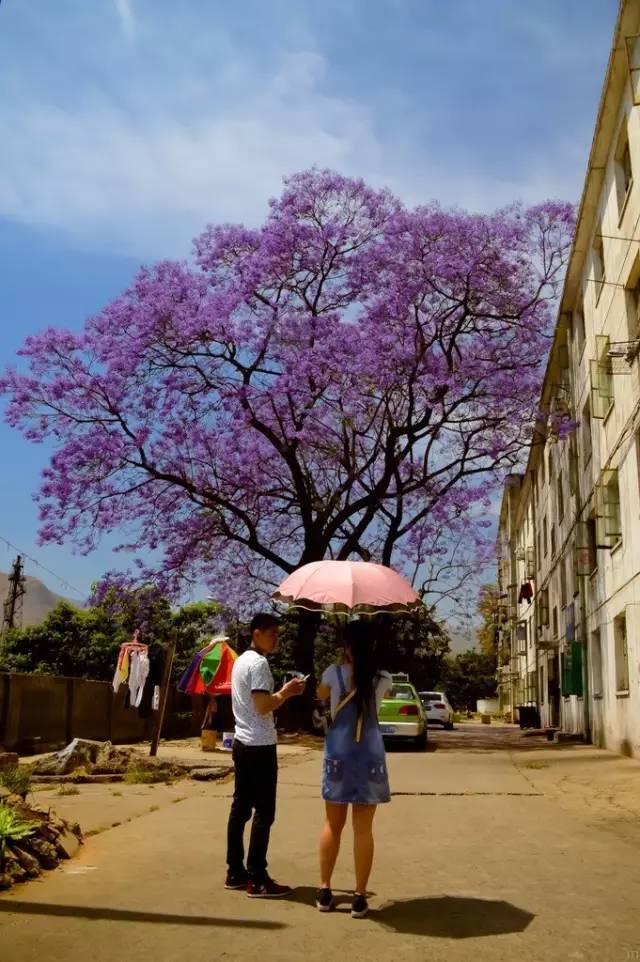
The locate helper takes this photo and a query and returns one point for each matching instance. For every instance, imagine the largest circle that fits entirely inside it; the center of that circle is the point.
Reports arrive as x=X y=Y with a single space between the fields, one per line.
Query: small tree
x=468 y=677
x=84 y=643
x=487 y=609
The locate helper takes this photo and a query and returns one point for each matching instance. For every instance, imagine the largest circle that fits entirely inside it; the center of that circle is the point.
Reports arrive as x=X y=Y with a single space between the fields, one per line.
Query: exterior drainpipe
x=586 y=705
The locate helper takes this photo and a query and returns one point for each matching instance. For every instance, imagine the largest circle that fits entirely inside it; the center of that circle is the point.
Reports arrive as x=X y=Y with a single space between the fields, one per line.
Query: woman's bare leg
x=363 y=844
x=330 y=841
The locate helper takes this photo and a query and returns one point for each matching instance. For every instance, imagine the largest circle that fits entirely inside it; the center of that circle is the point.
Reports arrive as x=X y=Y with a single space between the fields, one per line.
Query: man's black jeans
x=256 y=768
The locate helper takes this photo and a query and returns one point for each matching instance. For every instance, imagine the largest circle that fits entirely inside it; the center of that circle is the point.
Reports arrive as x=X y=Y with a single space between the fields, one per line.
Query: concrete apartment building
x=569 y=527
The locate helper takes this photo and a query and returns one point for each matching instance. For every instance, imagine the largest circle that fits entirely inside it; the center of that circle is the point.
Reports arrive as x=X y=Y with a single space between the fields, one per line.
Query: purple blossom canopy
x=351 y=378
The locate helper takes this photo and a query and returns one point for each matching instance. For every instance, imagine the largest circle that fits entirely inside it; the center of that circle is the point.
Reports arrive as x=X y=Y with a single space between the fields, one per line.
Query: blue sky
x=129 y=124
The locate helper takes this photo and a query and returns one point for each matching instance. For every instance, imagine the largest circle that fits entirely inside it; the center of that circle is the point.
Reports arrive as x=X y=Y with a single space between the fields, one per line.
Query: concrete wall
x=44 y=712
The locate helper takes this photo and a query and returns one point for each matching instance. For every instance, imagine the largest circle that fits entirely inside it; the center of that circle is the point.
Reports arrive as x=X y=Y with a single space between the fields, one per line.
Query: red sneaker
x=267 y=889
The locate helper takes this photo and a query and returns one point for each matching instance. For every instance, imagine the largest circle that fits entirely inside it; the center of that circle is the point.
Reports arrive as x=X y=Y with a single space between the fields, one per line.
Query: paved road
x=474 y=861
x=472 y=736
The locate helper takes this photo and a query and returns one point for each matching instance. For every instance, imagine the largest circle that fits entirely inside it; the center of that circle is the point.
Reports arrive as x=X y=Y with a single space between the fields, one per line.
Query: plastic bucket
x=227 y=741
x=208 y=740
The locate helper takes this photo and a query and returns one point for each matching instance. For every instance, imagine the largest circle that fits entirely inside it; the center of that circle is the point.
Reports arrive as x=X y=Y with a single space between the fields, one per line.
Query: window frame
x=621 y=641
x=598 y=263
x=623 y=171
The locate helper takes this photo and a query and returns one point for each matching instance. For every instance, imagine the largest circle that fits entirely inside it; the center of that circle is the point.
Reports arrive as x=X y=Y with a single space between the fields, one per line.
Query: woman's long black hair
x=360 y=640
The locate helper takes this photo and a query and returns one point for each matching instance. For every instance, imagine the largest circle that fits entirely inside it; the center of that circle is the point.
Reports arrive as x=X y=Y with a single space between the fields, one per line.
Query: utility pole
x=12 y=611
x=164 y=691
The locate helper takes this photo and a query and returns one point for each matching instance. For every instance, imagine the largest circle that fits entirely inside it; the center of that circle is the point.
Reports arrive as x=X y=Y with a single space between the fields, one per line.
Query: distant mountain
x=38 y=600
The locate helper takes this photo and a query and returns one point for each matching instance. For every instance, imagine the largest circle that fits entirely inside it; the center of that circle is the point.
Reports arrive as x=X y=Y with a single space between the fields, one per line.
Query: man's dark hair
x=262 y=621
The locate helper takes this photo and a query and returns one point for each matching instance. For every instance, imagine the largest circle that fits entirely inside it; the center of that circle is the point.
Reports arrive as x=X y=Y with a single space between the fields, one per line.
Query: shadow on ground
x=451 y=917
x=445 y=917
x=305 y=895
x=402 y=746
x=124 y=915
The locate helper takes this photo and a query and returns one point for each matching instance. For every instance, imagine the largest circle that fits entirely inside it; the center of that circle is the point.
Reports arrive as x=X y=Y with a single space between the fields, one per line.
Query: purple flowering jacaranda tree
x=352 y=378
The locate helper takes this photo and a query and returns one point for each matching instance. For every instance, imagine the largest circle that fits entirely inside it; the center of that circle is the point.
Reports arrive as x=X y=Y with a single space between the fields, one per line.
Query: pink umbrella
x=348 y=587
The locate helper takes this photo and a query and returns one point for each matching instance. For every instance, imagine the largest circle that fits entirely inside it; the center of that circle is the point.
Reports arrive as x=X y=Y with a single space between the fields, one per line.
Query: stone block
x=67 y=845
x=29 y=863
x=8 y=758
x=208 y=774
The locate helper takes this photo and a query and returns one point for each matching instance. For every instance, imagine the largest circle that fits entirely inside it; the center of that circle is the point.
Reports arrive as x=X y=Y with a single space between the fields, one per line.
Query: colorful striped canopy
x=210 y=671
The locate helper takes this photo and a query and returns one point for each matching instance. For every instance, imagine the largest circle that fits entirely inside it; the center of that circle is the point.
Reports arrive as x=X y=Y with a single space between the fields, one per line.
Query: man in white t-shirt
x=255 y=760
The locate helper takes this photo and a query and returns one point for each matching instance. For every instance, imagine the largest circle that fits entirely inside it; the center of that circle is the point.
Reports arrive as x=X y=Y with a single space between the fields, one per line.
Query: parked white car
x=438 y=708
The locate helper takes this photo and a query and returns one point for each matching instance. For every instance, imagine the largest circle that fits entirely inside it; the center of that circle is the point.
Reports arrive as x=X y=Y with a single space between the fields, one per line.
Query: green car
x=402 y=715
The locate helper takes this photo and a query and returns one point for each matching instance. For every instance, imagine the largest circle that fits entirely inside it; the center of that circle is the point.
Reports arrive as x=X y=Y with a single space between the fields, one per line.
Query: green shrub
x=13 y=828
x=79 y=774
x=68 y=790
x=17 y=778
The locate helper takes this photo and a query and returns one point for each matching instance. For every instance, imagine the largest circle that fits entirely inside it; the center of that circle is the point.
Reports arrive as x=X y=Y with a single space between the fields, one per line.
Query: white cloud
x=147 y=180
x=185 y=127
x=124 y=9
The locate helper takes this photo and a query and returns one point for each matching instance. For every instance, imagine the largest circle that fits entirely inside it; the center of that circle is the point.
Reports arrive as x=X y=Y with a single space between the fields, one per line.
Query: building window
x=608 y=513
x=592 y=543
x=543 y=601
x=555 y=621
x=553 y=539
x=596 y=663
x=573 y=466
x=632 y=294
x=601 y=374
x=563 y=583
x=585 y=433
x=579 y=332
x=623 y=171
x=622 y=655
x=531 y=685
x=521 y=637
x=560 y=497
x=597 y=258
x=545 y=540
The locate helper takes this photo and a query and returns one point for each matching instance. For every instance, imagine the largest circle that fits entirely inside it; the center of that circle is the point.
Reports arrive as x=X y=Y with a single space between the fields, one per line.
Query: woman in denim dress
x=354 y=768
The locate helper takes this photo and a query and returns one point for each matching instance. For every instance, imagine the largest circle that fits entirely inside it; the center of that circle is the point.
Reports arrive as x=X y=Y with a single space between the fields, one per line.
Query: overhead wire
x=62 y=581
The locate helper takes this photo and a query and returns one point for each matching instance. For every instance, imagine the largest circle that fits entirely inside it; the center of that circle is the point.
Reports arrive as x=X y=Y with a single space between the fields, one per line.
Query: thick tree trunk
x=304 y=650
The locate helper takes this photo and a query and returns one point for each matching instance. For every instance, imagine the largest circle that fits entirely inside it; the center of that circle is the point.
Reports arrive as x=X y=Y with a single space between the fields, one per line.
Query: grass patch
x=16 y=778
x=78 y=775
x=535 y=765
x=117 y=794
x=68 y=790
x=138 y=775
x=154 y=808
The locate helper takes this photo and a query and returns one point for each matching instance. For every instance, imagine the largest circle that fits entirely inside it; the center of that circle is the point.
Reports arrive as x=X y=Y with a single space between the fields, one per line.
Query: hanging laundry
x=526 y=592
x=138 y=674
x=147 y=704
x=122 y=667
x=132 y=669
